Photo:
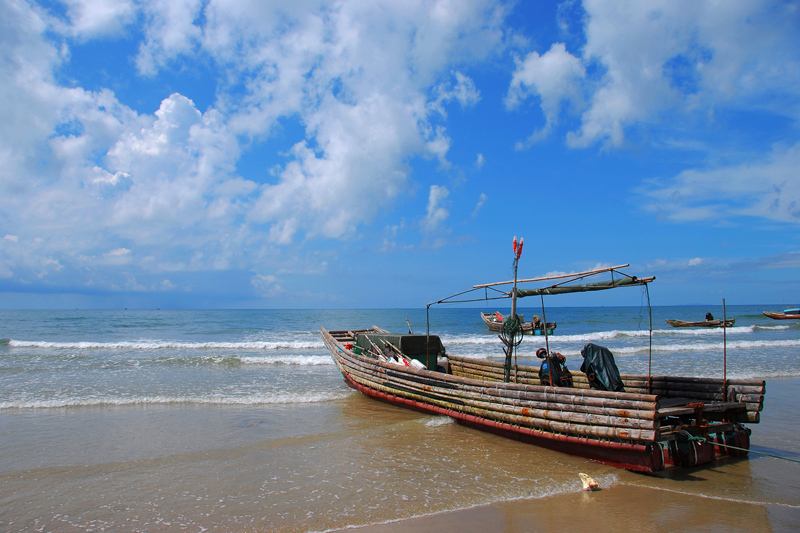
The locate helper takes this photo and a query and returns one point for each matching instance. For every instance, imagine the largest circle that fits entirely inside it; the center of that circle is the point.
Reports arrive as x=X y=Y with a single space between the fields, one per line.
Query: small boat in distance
x=793 y=313
x=703 y=324
x=494 y=321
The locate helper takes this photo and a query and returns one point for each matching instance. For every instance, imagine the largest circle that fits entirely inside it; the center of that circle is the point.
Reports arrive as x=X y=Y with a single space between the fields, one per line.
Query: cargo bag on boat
x=412 y=346
x=600 y=368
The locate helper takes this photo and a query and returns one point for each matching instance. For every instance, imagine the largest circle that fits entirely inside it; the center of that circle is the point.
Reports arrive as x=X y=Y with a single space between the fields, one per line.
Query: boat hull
x=624 y=429
x=527 y=327
x=702 y=324
x=637 y=458
x=781 y=316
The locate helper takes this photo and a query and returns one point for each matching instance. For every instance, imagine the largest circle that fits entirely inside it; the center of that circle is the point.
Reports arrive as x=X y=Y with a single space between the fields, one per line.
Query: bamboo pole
x=550 y=394
x=489 y=394
x=724 y=348
x=625 y=377
x=628 y=434
x=564 y=391
x=528 y=409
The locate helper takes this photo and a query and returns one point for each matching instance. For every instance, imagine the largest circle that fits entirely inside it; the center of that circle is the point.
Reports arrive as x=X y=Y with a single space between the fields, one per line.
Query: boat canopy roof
x=792 y=310
x=585 y=287
x=564 y=283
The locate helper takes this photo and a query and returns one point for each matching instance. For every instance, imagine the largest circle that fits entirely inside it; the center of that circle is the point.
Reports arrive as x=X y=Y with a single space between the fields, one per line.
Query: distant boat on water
x=702 y=324
x=494 y=321
x=793 y=313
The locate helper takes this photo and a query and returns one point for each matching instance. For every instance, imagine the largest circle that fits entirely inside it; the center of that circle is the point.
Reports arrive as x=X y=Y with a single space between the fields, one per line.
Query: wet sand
x=360 y=463
x=619 y=508
x=757 y=494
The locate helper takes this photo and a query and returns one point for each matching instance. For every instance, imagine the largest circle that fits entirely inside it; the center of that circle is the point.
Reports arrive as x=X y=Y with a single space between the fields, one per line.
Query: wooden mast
x=508 y=336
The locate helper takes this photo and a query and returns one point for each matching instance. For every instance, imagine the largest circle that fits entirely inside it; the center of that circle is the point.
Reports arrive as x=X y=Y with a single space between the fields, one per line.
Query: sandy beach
x=359 y=463
x=233 y=421
x=619 y=508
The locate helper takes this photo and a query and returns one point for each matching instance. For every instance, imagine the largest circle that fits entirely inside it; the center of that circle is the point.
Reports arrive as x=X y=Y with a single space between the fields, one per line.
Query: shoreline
x=693 y=499
x=622 y=506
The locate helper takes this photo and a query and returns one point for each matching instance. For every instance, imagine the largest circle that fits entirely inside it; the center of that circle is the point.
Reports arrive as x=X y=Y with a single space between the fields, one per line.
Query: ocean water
x=228 y=420
x=84 y=358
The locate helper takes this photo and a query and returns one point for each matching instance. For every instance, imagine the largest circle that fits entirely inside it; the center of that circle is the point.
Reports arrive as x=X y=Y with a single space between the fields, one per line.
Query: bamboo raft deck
x=651 y=426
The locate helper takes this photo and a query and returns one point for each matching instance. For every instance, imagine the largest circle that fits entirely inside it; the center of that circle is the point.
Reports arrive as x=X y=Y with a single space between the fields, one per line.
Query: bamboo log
x=613 y=414
x=510 y=386
x=694 y=386
x=687 y=386
x=518 y=376
x=546 y=394
x=576 y=398
x=493 y=405
x=603 y=432
x=690 y=388
x=733 y=381
x=754 y=386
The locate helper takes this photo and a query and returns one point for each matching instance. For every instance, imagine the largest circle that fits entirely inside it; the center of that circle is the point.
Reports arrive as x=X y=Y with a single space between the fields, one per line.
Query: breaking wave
x=260 y=399
x=612 y=334
x=161 y=345
x=299 y=360
x=709 y=346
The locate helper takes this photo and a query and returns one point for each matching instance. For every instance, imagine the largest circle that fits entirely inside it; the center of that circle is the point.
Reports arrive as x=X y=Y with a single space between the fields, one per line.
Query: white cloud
x=83 y=173
x=554 y=77
x=673 y=58
x=117 y=256
x=480 y=160
x=170 y=30
x=436 y=213
x=682 y=56
x=93 y=18
x=267 y=285
x=461 y=89
x=768 y=188
x=479 y=204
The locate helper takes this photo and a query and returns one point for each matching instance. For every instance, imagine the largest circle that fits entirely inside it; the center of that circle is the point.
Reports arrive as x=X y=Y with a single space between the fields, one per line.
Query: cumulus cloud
x=555 y=77
x=460 y=89
x=436 y=213
x=767 y=188
x=170 y=30
x=93 y=18
x=672 y=57
x=679 y=54
x=85 y=176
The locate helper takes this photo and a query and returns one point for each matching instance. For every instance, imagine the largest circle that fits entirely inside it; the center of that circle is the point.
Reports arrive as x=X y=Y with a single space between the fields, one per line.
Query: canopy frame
x=560 y=287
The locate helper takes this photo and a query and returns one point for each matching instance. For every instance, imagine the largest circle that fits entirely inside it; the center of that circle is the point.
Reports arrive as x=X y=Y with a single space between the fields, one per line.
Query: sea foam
x=110 y=401
x=162 y=345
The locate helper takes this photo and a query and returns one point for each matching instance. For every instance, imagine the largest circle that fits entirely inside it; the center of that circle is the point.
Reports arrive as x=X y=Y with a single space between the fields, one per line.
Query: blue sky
x=383 y=154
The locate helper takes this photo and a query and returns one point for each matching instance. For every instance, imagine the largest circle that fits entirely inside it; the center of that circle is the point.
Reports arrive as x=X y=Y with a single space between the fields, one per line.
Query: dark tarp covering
x=600 y=286
x=411 y=345
x=600 y=368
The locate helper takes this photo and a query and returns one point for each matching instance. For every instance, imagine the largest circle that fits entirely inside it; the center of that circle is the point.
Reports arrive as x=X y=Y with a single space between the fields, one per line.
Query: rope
x=750 y=450
x=511 y=335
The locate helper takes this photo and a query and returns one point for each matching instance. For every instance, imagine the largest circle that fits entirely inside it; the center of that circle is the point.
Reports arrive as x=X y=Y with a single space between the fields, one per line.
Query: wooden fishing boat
x=494 y=321
x=654 y=423
x=787 y=314
x=702 y=324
